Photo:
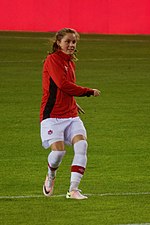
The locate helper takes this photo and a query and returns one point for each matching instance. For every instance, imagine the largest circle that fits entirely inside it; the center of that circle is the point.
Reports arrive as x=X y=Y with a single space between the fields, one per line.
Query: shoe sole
x=68 y=196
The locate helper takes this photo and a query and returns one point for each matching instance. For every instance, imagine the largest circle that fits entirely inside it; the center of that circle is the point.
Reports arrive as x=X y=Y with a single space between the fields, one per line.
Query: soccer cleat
x=76 y=194
x=48 y=186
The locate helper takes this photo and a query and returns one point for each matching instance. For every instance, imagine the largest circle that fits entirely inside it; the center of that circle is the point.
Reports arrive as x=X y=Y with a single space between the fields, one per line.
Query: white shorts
x=53 y=130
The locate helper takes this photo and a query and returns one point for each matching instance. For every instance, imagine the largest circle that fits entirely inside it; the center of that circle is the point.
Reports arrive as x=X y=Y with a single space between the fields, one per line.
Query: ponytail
x=55 y=47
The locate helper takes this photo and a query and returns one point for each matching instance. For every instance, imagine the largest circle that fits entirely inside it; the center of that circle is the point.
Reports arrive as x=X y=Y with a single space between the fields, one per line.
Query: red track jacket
x=59 y=88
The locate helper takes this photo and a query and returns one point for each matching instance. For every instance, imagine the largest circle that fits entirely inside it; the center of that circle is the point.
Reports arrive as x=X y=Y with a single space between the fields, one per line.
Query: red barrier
x=87 y=16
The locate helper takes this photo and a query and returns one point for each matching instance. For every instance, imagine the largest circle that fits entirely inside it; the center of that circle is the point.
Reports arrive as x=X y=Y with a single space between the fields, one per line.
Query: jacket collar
x=65 y=56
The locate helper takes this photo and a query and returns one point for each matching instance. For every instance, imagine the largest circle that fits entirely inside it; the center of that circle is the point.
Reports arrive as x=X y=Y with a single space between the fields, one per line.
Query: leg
x=54 y=160
x=55 y=157
x=77 y=138
x=52 y=136
x=78 y=165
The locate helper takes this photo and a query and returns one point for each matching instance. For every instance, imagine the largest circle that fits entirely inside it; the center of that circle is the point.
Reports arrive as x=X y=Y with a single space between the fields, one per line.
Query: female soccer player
x=60 y=123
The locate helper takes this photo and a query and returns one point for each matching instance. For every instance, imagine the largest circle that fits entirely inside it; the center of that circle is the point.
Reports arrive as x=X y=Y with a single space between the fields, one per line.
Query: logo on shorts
x=50 y=132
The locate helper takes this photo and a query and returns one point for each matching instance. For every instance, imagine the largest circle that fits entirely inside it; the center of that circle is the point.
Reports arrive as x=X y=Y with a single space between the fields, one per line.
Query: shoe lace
x=78 y=190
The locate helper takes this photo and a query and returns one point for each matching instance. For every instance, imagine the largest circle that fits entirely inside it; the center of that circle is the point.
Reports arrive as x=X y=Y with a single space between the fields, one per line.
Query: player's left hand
x=96 y=92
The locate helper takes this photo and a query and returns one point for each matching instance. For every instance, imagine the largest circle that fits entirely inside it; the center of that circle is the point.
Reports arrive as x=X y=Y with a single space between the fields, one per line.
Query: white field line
x=28 y=196
x=114 y=40
x=82 y=60
x=112 y=59
x=24 y=37
x=120 y=194
x=82 y=38
x=135 y=224
x=63 y=195
x=19 y=61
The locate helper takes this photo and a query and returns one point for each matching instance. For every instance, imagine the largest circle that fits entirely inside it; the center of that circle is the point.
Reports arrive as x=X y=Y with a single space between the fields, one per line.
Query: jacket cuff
x=88 y=93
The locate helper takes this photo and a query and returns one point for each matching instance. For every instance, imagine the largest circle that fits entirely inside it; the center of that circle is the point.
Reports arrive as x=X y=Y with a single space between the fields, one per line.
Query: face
x=68 y=43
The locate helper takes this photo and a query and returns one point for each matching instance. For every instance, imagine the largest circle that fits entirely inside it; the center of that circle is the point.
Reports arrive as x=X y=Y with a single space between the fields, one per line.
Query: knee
x=80 y=147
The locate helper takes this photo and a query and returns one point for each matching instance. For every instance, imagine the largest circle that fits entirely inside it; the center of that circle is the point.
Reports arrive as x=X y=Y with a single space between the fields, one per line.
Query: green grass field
x=117 y=178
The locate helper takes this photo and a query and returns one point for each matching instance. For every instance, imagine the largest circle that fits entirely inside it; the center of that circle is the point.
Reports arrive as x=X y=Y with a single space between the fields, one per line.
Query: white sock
x=54 y=160
x=78 y=164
